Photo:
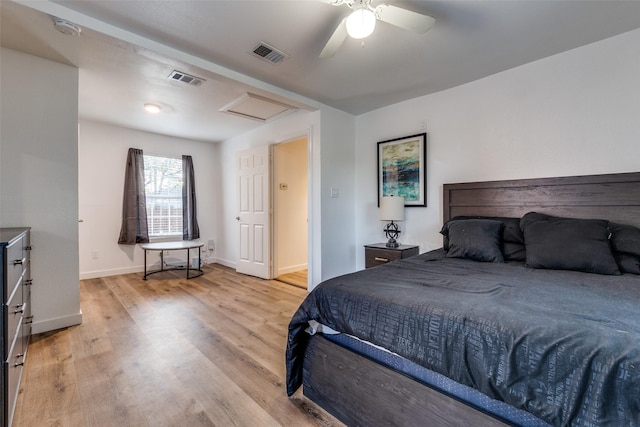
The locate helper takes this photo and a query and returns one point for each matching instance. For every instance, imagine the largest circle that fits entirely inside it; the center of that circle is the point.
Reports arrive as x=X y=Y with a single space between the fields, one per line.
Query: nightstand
x=379 y=253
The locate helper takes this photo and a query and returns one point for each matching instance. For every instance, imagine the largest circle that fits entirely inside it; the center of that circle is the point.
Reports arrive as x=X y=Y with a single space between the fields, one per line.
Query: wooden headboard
x=615 y=197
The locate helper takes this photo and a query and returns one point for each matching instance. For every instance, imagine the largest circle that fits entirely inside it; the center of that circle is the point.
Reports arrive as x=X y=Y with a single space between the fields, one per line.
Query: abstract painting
x=402 y=169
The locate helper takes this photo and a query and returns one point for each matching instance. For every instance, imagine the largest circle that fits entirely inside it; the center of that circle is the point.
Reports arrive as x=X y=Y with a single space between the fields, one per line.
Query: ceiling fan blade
x=403 y=18
x=336 y=40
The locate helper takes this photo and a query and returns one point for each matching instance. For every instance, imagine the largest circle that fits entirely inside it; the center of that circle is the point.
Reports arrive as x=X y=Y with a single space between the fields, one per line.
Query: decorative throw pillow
x=476 y=239
x=512 y=244
x=568 y=244
x=513 y=251
x=627 y=263
x=625 y=244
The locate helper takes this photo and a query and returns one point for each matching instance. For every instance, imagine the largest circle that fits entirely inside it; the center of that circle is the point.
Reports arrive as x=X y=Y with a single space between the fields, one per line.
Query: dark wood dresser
x=16 y=314
x=379 y=253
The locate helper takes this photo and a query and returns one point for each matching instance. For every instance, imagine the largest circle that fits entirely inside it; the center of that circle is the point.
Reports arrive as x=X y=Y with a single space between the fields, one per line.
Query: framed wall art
x=402 y=169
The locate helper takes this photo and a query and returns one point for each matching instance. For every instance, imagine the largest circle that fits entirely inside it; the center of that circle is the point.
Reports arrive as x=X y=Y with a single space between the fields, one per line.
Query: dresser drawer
x=27 y=316
x=15 y=272
x=25 y=334
x=14 y=310
x=377 y=254
x=15 y=266
x=381 y=256
x=14 y=367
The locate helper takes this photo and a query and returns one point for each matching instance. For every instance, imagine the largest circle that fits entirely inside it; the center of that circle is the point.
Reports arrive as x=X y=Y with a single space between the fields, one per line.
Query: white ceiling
x=128 y=48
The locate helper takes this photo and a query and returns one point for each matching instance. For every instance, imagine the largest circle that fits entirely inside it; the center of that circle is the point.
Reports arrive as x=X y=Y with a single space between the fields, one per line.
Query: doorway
x=290 y=220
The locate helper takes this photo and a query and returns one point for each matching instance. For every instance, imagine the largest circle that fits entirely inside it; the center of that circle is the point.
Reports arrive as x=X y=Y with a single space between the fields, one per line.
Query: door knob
x=237 y=218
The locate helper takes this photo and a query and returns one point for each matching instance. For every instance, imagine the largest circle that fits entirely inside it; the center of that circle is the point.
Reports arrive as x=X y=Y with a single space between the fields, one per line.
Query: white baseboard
x=226 y=263
x=291 y=269
x=112 y=272
x=137 y=269
x=57 y=323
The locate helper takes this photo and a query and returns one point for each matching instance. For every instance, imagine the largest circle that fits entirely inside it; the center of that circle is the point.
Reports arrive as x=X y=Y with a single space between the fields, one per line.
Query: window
x=168 y=186
x=163 y=187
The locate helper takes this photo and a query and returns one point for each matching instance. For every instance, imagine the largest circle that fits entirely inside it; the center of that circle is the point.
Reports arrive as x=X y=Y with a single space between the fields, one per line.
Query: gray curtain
x=134 y=207
x=190 y=229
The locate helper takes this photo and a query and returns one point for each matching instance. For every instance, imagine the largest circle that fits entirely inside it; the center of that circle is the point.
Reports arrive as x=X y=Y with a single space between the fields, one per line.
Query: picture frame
x=402 y=169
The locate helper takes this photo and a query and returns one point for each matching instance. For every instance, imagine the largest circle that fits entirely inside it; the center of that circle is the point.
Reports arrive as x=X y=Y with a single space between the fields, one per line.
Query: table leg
x=145 y=265
x=188 y=260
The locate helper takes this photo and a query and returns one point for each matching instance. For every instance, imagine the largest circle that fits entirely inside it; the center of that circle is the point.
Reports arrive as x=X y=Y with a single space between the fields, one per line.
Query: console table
x=173 y=246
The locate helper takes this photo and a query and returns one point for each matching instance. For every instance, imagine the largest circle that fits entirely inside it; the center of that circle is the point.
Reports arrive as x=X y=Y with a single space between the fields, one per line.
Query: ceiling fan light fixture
x=361 y=23
x=152 y=108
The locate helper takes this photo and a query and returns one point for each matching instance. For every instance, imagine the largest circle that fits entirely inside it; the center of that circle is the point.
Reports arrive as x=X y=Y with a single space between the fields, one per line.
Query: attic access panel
x=256 y=107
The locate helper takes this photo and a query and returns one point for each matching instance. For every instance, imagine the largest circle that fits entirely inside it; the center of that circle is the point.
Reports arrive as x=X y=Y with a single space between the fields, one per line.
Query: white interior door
x=254 y=220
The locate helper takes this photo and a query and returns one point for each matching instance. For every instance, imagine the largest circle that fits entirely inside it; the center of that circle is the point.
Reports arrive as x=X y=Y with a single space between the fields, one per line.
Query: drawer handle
x=15 y=365
x=17 y=262
x=381 y=259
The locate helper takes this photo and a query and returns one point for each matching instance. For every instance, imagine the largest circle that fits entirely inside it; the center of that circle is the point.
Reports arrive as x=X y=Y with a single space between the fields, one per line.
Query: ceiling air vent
x=186 y=78
x=269 y=53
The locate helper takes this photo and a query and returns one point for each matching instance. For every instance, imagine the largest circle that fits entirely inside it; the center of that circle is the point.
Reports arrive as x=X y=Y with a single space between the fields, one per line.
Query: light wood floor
x=297 y=278
x=169 y=352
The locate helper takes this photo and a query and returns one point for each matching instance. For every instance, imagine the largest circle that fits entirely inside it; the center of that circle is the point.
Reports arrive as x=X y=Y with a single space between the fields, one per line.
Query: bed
x=543 y=330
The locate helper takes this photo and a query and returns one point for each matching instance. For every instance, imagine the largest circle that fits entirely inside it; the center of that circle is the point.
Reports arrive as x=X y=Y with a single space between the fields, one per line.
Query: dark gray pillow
x=568 y=244
x=476 y=239
x=625 y=244
x=512 y=244
x=513 y=251
x=627 y=263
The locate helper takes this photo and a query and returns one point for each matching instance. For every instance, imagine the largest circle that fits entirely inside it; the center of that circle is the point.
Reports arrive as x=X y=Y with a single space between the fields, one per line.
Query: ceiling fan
x=361 y=22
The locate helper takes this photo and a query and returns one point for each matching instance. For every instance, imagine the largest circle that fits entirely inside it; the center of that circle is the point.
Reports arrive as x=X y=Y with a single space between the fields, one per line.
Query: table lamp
x=392 y=209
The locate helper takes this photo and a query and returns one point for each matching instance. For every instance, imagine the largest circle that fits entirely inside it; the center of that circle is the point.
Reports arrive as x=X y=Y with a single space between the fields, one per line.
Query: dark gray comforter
x=562 y=345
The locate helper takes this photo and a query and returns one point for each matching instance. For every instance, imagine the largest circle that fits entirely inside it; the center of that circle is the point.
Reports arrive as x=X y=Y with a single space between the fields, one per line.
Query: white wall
x=296 y=125
x=337 y=172
x=331 y=134
x=299 y=124
x=575 y=113
x=102 y=158
x=39 y=178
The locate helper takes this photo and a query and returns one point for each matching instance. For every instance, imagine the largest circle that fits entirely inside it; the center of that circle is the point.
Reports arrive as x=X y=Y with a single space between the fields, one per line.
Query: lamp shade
x=392 y=208
x=361 y=23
